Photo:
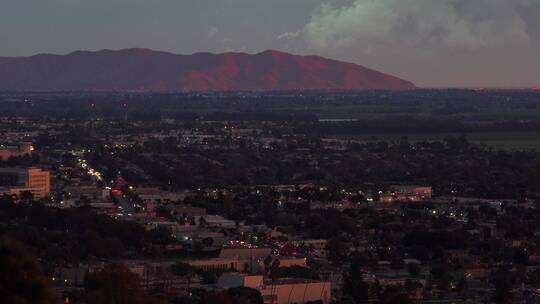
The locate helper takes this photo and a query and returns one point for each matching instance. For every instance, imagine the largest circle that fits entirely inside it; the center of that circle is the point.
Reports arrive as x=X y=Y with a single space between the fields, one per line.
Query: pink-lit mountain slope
x=153 y=71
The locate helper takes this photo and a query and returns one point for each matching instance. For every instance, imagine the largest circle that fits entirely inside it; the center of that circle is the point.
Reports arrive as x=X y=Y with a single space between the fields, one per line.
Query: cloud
x=289 y=35
x=456 y=24
x=212 y=32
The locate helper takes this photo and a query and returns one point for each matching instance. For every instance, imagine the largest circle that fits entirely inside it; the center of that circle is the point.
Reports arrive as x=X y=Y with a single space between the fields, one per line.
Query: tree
x=414 y=270
x=6 y=200
x=26 y=196
x=295 y=271
x=21 y=280
x=210 y=276
x=161 y=236
x=115 y=284
x=245 y=295
x=274 y=271
x=267 y=262
x=184 y=270
x=412 y=286
x=216 y=297
x=208 y=241
x=354 y=285
x=503 y=282
x=394 y=294
x=337 y=250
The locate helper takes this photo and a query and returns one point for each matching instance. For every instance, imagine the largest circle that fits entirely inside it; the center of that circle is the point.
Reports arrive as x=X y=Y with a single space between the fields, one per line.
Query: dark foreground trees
x=21 y=280
x=115 y=284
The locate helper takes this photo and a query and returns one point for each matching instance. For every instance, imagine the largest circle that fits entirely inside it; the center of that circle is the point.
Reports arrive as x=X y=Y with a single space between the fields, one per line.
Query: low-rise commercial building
x=15 y=181
x=283 y=291
x=15 y=150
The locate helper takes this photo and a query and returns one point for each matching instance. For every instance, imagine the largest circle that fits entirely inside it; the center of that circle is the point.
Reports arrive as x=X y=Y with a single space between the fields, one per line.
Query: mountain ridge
x=146 y=70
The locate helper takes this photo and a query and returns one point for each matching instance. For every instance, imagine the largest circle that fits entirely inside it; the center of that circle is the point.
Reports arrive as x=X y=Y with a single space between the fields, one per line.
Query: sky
x=434 y=43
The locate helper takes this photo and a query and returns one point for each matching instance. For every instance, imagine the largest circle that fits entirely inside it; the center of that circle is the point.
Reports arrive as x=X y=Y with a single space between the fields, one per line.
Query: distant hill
x=5 y=59
x=147 y=70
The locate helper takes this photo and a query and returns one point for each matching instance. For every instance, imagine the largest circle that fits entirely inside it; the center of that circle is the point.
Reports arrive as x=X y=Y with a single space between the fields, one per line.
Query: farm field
x=498 y=140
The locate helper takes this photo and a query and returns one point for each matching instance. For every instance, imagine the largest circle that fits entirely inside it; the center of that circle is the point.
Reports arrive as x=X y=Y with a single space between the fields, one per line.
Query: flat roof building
x=245 y=253
x=217 y=264
x=283 y=291
x=15 y=150
x=14 y=181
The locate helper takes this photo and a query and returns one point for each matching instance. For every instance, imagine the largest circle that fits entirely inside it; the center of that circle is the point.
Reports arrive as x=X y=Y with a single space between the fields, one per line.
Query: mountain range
x=144 y=70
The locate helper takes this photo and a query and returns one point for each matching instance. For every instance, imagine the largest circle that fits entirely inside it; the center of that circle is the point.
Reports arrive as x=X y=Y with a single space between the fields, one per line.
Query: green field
x=497 y=140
